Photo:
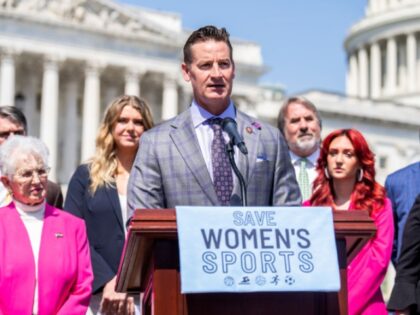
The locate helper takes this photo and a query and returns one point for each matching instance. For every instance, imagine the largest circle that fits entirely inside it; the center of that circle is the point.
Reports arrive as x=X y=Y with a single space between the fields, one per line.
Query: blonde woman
x=97 y=193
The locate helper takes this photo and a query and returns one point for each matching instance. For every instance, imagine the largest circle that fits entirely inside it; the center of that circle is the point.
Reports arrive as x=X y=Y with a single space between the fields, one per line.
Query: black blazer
x=104 y=224
x=406 y=291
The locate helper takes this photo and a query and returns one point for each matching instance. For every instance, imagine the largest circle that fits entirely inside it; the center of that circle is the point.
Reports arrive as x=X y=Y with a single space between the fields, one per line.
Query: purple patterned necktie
x=222 y=172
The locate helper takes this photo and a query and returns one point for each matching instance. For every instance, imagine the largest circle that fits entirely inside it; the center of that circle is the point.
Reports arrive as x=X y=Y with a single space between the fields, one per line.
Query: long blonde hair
x=103 y=166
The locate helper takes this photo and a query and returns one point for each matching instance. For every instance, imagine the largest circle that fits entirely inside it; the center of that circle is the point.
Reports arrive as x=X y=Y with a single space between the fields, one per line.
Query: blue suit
x=402 y=188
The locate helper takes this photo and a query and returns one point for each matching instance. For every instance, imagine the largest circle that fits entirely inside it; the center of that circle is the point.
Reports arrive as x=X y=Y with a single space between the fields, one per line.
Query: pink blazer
x=367 y=270
x=64 y=269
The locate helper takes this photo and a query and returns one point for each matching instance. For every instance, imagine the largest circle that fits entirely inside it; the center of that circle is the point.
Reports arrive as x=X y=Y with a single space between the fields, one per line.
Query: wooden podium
x=150 y=264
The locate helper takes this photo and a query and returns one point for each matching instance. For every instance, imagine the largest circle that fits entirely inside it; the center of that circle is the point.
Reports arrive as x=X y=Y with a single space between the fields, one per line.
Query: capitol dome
x=383 y=52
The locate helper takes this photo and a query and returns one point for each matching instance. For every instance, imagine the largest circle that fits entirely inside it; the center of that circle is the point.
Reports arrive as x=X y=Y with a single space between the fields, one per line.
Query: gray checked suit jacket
x=169 y=169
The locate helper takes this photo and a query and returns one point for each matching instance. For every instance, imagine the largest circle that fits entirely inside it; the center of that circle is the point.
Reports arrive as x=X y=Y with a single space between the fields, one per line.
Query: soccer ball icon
x=260 y=280
x=229 y=281
x=289 y=280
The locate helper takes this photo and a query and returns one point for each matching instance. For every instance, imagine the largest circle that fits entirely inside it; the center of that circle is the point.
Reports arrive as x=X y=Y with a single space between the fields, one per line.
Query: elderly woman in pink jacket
x=44 y=254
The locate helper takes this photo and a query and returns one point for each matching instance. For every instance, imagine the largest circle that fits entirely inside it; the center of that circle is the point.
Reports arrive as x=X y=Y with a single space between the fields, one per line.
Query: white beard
x=306 y=145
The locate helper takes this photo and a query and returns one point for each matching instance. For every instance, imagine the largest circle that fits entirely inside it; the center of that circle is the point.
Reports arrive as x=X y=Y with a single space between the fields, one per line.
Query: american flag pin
x=59 y=235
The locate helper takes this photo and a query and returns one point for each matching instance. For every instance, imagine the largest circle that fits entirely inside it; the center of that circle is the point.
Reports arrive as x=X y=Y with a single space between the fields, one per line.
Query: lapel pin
x=59 y=235
x=248 y=129
x=256 y=125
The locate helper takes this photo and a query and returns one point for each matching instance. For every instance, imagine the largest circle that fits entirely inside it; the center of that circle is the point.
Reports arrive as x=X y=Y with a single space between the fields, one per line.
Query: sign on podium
x=257 y=249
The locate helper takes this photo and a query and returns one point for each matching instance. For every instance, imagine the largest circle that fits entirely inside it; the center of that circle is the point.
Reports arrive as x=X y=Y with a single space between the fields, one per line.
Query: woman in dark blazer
x=97 y=193
x=405 y=296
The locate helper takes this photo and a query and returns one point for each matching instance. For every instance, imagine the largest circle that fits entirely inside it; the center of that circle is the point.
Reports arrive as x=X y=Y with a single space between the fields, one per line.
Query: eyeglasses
x=6 y=134
x=28 y=175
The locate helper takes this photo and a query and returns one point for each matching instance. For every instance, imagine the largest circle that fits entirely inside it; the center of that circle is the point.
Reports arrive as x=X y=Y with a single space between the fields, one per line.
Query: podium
x=150 y=264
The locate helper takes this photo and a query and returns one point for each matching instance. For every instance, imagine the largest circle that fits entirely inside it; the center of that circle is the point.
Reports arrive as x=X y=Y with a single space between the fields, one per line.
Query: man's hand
x=114 y=302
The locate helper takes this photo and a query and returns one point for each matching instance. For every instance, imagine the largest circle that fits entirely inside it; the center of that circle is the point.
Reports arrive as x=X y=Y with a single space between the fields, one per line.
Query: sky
x=302 y=40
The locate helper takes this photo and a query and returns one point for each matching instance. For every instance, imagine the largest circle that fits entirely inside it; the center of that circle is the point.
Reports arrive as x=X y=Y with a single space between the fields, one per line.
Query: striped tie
x=303 y=179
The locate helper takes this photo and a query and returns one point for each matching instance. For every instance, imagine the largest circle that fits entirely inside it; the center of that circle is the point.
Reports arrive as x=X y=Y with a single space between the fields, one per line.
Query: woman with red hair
x=346 y=181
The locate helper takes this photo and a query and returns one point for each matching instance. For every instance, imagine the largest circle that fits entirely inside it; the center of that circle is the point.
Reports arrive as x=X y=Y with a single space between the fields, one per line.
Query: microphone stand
x=231 y=152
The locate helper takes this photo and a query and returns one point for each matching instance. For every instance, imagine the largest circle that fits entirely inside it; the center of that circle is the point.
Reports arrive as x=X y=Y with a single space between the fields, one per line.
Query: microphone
x=229 y=126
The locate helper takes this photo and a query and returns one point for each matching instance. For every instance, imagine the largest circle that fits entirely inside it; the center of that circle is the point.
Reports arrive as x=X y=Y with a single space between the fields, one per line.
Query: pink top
x=367 y=270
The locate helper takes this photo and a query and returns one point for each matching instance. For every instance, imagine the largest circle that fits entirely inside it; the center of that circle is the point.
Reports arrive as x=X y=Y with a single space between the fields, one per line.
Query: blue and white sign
x=232 y=249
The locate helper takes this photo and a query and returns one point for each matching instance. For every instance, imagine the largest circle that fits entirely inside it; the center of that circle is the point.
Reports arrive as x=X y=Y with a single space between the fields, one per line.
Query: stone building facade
x=382 y=84
x=63 y=61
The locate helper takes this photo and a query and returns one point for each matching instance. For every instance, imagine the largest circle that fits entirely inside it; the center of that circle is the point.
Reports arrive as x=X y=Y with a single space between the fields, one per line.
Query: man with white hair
x=300 y=123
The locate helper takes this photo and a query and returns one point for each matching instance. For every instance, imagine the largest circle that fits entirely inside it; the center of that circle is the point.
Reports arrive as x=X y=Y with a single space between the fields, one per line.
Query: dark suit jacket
x=406 y=291
x=104 y=224
x=54 y=195
x=402 y=188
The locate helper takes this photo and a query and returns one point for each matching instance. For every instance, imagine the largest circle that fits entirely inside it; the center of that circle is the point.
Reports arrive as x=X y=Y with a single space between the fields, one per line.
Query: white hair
x=17 y=147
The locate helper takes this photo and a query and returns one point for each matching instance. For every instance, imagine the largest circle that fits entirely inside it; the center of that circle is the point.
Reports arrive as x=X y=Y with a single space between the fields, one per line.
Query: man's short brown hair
x=203 y=34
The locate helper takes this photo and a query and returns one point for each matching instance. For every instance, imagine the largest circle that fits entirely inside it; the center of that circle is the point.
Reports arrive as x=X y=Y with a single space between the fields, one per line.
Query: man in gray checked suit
x=175 y=164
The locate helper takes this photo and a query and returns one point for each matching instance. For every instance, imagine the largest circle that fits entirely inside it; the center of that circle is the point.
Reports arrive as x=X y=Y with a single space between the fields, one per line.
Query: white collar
x=200 y=115
x=21 y=207
x=311 y=158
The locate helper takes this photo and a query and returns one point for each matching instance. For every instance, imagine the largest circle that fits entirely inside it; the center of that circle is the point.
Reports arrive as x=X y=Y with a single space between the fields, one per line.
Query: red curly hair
x=367 y=193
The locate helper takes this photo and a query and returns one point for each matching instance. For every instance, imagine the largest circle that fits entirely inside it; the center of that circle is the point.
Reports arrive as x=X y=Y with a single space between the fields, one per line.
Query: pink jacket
x=64 y=269
x=367 y=270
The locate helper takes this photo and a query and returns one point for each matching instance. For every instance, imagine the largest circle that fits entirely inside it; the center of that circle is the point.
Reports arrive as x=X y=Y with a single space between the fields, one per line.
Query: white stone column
x=7 y=79
x=418 y=64
x=49 y=111
x=391 y=66
x=91 y=111
x=132 y=83
x=31 y=114
x=382 y=5
x=373 y=5
x=411 y=62
x=72 y=134
x=375 y=70
x=170 y=98
x=402 y=66
x=363 y=73
x=393 y=3
x=352 y=83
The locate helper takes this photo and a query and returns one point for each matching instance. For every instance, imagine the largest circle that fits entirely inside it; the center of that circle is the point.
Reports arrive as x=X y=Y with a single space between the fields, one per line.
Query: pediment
x=102 y=15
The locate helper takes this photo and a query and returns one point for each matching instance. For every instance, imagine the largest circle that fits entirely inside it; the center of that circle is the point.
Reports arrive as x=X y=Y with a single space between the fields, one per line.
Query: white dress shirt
x=310 y=165
x=123 y=204
x=205 y=133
